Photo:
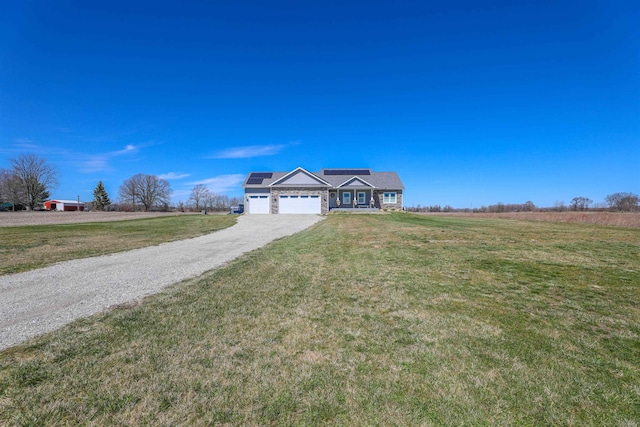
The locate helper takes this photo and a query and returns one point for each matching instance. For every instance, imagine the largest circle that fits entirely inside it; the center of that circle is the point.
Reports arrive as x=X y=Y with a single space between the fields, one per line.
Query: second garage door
x=258 y=204
x=299 y=204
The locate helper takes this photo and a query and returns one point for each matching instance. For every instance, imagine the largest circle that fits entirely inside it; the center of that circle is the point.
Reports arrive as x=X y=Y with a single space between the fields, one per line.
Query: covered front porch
x=352 y=198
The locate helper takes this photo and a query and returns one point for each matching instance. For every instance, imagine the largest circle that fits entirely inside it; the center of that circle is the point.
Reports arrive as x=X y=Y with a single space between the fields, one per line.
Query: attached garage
x=259 y=204
x=299 y=204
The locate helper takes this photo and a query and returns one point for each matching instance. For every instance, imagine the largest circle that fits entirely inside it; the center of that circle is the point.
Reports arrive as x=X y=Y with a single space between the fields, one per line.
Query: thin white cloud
x=19 y=146
x=84 y=162
x=221 y=183
x=101 y=162
x=173 y=175
x=249 y=151
x=26 y=144
x=94 y=164
x=126 y=150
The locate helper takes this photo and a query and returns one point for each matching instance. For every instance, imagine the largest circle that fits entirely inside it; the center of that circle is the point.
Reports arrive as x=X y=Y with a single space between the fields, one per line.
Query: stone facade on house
x=378 y=197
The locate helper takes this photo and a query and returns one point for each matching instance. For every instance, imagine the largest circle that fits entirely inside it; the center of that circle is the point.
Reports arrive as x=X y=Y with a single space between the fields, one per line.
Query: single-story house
x=63 y=205
x=301 y=191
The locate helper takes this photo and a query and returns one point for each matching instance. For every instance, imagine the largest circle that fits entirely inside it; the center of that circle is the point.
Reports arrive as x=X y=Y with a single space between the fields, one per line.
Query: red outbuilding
x=63 y=205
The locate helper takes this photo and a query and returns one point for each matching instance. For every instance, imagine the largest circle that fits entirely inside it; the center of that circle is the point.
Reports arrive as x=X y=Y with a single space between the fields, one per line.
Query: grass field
x=393 y=319
x=27 y=247
x=617 y=219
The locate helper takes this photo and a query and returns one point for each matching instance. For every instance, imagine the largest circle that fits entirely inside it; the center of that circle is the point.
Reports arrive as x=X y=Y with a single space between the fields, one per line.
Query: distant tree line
x=625 y=202
x=616 y=202
x=28 y=183
x=432 y=208
x=30 y=179
x=149 y=192
x=201 y=198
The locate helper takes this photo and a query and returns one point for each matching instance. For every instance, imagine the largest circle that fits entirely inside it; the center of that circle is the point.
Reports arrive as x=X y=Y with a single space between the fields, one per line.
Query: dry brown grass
x=616 y=219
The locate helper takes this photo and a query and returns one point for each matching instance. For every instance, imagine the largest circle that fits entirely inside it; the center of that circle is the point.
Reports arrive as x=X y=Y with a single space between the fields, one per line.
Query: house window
x=346 y=198
x=390 y=197
x=362 y=198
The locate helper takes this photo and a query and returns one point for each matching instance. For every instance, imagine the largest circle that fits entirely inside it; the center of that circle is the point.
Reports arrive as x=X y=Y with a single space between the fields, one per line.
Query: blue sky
x=472 y=103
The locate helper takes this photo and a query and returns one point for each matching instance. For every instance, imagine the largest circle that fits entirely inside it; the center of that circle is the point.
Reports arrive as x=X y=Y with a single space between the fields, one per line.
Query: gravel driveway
x=43 y=300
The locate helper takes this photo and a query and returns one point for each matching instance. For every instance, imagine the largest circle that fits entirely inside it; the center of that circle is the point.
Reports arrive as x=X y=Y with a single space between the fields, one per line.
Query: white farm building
x=63 y=205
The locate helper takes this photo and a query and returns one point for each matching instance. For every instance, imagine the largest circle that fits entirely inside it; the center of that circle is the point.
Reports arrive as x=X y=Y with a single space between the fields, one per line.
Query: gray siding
x=299 y=178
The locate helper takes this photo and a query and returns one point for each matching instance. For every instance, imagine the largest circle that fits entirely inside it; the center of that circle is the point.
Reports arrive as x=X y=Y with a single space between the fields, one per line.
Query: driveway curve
x=43 y=300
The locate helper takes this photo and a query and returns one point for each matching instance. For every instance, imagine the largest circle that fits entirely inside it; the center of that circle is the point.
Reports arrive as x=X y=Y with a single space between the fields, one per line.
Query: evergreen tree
x=100 y=197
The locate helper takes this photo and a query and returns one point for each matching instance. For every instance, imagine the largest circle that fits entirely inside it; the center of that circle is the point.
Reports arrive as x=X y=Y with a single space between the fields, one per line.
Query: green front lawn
x=28 y=247
x=393 y=319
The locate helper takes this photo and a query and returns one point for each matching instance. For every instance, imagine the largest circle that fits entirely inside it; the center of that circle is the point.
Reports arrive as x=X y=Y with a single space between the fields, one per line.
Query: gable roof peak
x=299 y=169
x=356 y=178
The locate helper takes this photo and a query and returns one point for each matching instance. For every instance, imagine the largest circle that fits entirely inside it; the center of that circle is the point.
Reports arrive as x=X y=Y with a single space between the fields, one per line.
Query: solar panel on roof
x=254 y=180
x=347 y=172
x=261 y=175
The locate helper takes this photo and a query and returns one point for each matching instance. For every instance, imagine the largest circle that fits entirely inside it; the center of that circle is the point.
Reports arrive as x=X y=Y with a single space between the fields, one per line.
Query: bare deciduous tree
x=559 y=206
x=623 y=201
x=199 y=195
x=222 y=202
x=235 y=201
x=128 y=193
x=10 y=188
x=35 y=177
x=5 y=177
x=217 y=202
x=155 y=192
x=580 y=203
x=147 y=190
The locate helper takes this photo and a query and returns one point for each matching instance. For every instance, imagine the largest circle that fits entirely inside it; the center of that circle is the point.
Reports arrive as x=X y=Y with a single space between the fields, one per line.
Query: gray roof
x=379 y=180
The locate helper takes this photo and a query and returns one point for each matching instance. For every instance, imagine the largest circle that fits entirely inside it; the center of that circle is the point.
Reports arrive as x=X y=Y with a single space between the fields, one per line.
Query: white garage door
x=299 y=204
x=259 y=204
